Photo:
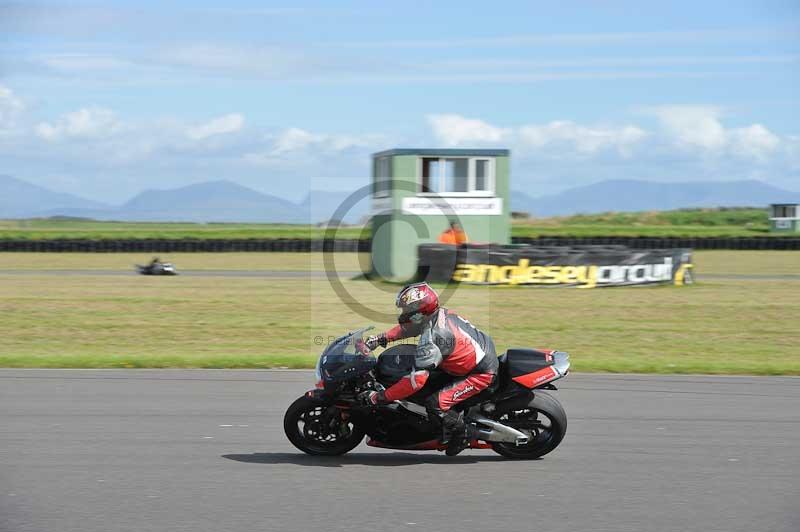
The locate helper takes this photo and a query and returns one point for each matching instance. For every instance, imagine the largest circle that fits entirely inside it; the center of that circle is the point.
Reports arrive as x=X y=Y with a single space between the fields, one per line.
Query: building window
x=457 y=176
x=382 y=171
x=430 y=175
x=482 y=174
x=784 y=211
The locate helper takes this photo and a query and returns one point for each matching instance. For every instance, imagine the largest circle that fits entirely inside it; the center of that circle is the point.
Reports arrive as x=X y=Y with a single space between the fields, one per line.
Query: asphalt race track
x=151 y=450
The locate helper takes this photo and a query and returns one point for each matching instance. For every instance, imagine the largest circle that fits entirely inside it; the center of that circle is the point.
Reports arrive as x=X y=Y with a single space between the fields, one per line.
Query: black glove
x=372 y=398
x=375 y=341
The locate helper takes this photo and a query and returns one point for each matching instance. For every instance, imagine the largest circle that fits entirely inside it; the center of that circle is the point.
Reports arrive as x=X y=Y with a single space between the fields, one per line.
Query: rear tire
x=543 y=417
x=303 y=425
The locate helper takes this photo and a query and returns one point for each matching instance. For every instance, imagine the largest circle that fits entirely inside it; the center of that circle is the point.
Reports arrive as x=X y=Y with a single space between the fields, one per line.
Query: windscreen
x=343 y=350
x=346 y=345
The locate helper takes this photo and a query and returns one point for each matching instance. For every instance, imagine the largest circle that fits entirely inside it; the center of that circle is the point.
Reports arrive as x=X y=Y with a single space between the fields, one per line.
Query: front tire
x=320 y=429
x=543 y=417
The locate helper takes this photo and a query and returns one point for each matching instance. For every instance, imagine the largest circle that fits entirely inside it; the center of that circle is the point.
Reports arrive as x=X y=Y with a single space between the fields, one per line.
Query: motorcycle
x=514 y=416
x=161 y=268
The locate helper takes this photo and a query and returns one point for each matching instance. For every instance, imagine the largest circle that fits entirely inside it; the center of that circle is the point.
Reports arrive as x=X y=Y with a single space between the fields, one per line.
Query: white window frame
x=471 y=177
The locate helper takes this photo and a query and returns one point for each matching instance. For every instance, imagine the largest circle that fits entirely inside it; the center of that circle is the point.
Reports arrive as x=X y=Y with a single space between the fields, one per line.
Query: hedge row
x=184 y=245
x=751 y=242
x=353 y=245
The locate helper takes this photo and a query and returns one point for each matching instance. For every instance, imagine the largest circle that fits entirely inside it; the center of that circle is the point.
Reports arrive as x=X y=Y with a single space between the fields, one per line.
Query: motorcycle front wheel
x=320 y=429
x=543 y=418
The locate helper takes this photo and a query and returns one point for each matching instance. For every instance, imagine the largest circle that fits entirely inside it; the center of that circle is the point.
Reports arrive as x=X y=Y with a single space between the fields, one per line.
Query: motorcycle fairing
x=535 y=367
x=537 y=378
x=524 y=361
x=396 y=425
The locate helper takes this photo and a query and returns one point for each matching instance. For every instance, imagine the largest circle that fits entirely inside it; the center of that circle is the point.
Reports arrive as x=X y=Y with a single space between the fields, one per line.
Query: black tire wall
x=363 y=245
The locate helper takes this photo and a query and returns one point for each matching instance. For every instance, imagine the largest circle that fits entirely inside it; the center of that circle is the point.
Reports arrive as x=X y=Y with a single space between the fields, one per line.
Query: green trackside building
x=784 y=218
x=416 y=193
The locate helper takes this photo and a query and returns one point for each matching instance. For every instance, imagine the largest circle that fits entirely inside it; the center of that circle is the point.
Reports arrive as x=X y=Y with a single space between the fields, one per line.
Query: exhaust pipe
x=497 y=432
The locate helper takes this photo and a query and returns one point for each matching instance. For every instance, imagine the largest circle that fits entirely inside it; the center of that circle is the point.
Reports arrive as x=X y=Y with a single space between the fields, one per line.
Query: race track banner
x=579 y=266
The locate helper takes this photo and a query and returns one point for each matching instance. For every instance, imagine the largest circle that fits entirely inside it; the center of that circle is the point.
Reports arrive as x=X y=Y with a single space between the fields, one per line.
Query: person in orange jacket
x=454 y=235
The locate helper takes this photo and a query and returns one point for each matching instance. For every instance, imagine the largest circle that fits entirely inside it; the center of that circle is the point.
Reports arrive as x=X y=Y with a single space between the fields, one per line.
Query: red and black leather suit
x=453 y=345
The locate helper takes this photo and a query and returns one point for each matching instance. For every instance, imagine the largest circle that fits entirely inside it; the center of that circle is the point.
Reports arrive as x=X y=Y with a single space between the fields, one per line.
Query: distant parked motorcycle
x=513 y=417
x=157 y=268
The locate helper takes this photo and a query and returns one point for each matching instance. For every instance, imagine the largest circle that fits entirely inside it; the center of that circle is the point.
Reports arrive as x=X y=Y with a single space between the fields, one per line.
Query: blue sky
x=106 y=99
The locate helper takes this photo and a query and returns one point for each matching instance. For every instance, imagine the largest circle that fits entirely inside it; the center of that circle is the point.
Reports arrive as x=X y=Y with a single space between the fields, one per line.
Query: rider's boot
x=451 y=423
x=454 y=432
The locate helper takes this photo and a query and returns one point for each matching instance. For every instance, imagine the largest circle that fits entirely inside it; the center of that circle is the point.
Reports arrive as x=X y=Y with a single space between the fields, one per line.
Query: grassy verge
x=47 y=229
x=719 y=326
x=747 y=262
x=707 y=261
x=183 y=261
x=534 y=229
x=730 y=222
x=733 y=222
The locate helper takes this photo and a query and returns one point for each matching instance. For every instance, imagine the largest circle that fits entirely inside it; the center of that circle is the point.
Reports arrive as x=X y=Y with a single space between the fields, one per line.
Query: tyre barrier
x=364 y=245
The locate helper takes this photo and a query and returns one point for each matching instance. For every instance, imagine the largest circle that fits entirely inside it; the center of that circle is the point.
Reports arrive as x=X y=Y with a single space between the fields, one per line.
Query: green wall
x=794 y=227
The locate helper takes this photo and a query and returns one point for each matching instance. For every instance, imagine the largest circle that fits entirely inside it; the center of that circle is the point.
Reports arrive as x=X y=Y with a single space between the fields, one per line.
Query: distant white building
x=784 y=217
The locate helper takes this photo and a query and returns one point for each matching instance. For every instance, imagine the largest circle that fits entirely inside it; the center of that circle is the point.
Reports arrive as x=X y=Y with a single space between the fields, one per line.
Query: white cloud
x=562 y=136
x=756 y=142
x=692 y=142
x=699 y=128
x=583 y=139
x=86 y=123
x=294 y=139
x=300 y=145
x=297 y=140
x=10 y=108
x=98 y=134
x=693 y=126
x=229 y=123
x=456 y=130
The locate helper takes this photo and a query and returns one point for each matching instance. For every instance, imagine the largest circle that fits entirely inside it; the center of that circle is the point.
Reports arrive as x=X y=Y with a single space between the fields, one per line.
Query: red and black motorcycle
x=514 y=416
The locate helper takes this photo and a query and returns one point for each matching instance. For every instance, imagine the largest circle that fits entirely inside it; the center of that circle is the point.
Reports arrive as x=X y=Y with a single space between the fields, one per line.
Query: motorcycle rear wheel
x=305 y=425
x=543 y=417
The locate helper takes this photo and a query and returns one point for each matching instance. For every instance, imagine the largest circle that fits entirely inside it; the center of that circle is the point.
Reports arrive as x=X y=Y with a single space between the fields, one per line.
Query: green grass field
x=45 y=229
x=679 y=223
x=184 y=261
x=731 y=222
x=716 y=326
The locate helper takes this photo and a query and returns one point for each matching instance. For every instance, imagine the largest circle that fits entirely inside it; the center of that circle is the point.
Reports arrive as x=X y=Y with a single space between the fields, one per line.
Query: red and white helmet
x=416 y=303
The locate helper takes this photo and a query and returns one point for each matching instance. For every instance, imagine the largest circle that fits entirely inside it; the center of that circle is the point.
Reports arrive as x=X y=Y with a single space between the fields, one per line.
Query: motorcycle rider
x=155 y=264
x=447 y=342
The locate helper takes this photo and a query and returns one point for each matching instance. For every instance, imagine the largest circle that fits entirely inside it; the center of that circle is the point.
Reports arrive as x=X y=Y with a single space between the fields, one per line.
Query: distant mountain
x=226 y=201
x=632 y=195
x=22 y=199
x=213 y=201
